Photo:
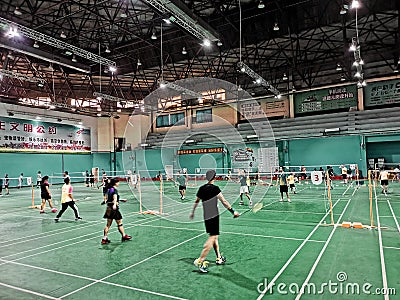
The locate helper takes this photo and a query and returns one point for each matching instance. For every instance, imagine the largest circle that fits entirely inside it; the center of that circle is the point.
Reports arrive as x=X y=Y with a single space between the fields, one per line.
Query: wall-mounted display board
x=261 y=108
x=37 y=136
x=325 y=99
x=382 y=93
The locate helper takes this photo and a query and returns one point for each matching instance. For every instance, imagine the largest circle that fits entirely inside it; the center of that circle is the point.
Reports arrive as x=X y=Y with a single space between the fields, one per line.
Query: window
x=170 y=120
x=203 y=116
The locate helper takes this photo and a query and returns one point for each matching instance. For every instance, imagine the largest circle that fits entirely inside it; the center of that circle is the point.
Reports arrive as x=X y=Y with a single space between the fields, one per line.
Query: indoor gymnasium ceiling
x=313 y=38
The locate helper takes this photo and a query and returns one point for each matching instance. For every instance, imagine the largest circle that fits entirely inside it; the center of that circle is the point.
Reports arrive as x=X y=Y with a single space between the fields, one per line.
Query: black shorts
x=291 y=185
x=45 y=196
x=385 y=182
x=112 y=214
x=212 y=225
x=182 y=187
x=283 y=188
x=344 y=176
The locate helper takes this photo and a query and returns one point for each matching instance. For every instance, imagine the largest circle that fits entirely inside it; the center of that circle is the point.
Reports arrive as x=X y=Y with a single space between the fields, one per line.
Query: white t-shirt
x=384 y=175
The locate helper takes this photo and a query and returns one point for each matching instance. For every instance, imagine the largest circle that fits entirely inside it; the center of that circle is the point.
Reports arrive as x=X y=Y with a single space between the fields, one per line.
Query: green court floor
x=270 y=254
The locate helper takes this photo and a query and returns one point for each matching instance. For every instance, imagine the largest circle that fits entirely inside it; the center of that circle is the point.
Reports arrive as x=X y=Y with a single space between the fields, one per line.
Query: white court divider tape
x=301 y=292
x=381 y=254
x=131 y=266
x=262 y=294
x=27 y=291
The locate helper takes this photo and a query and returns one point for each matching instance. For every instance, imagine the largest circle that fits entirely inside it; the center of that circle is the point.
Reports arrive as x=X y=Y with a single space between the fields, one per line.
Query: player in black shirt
x=209 y=194
x=46 y=195
x=112 y=212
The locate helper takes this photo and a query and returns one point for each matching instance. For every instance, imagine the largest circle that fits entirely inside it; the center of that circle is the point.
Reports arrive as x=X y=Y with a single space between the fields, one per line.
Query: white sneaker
x=220 y=260
x=203 y=266
x=288 y=200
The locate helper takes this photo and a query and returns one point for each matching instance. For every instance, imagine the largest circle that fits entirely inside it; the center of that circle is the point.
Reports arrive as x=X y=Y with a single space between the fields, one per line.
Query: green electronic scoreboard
x=326 y=99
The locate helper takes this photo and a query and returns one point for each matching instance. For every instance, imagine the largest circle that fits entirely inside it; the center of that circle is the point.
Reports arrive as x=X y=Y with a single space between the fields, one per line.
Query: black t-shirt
x=43 y=189
x=208 y=195
x=110 y=195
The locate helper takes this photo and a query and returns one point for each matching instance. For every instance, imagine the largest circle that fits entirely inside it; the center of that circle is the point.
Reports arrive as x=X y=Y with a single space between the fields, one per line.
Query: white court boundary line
x=262 y=294
x=27 y=291
x=78 y=237
x=316 y=262
x=88 y=279
x=14 y=261
x=50 y=232
x=131 y=266
x=387 y=247
x=381 y=254
x=235 y=233
x=393 y=215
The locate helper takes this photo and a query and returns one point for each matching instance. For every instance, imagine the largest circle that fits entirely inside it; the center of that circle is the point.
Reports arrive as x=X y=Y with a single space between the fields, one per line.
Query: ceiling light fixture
x=261 y=4
x=35 y=44
x=153 y=36
x=108 y=49
x=74 y=58
x=139 y=63
x=276 y=26
x=344 y=9
x=184 y=52
x=355 y=4
x=206 y=43
x=284 y=77
x=63 y=35
x=339 y=67
x=17 y=12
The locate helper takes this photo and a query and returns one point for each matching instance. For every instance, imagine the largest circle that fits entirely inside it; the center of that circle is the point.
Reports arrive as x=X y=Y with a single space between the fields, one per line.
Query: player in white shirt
x=384 y=178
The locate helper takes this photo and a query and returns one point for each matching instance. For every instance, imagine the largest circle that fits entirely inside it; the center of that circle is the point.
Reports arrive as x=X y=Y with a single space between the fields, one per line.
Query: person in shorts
x=244 y=188
x=182 y=182
x=46 y=195
x=384 y=178
x=209 y=194
x=112 y=212
x=283 y=185
x=344 y=174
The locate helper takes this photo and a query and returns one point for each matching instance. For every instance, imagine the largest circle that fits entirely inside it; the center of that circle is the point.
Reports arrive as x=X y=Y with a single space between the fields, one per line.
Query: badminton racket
x=257 y=207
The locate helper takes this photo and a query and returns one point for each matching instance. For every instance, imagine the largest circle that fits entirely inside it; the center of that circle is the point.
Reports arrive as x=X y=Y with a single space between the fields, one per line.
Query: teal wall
x=206 y=161
x=49 y=164
x=103 y=160
x=327 y=151
x=150 y=161
x=388 y=150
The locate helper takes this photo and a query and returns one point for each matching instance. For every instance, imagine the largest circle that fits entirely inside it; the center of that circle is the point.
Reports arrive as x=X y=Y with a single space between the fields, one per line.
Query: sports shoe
x=78 y=218
x=220 y=260
x=126 y=238
x=241 y=203
x=56 y=220
x=41 y=211
x=281 y=200
x=105 y=241
x=54 y=210
x=288 y=200
x=203 y=266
